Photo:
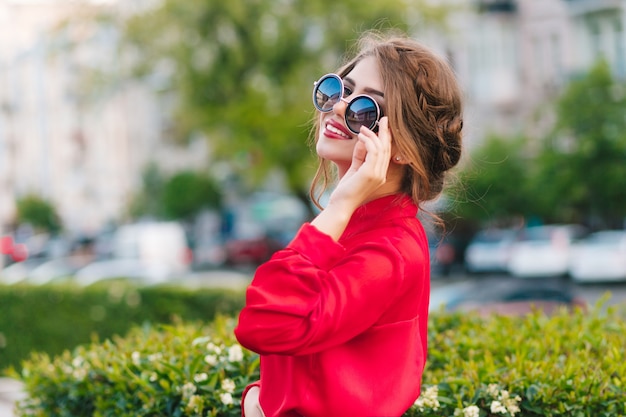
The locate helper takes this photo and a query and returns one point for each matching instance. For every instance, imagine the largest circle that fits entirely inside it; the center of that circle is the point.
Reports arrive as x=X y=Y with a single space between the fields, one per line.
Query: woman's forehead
x=366 y=74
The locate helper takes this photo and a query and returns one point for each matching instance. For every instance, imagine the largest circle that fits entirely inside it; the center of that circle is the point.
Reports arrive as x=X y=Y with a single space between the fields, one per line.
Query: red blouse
x=341 y=327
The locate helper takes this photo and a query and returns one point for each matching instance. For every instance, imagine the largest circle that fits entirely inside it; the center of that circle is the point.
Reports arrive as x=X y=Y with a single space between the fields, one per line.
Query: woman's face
x=336 y=142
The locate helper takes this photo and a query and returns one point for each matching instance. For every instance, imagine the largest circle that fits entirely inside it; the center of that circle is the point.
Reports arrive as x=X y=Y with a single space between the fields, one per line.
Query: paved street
x=10 y=391
x=591 y=293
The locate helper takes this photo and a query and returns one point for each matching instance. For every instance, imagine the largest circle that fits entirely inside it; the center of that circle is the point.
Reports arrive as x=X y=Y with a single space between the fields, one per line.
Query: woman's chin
x=335 y=157
x=334 y=153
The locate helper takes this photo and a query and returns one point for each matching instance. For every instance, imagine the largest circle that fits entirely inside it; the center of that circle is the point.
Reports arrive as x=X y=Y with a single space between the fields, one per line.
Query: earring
x=397 y=158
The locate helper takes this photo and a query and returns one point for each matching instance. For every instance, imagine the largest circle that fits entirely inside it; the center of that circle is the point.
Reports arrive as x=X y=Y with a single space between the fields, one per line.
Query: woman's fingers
x=368 y=171
x=378 y=148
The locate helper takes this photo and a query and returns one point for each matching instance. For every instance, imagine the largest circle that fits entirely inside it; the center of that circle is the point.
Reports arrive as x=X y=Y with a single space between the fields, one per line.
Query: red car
x=250 y=251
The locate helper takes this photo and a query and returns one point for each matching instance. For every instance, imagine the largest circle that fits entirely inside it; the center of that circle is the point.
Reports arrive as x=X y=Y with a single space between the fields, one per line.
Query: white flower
x=77 y=361
x=210 y=359
x=513 y=409
x=492 y=390
x=195 y=402
x=497 y=407
x=200 y=377
x=153 y=377
x=428 y=399
x=188 y=390
x=471 y=411
x=228 y=385
x=155 y=357
x=200 y=340
x=80 y=374
x=136 y=357
x=214 y=348
x=510 y=403
x=227 y=398
x=235 y=353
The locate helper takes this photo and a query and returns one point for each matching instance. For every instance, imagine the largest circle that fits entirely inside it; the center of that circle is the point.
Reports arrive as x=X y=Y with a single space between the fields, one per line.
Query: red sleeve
x=314 y=294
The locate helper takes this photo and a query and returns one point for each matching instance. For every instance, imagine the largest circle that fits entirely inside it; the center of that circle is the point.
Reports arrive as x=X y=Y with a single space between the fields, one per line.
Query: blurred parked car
x=446 y=254
x=209 y=253
x=250 y=250
x=543 y=251
x=152 y=252
x=506 y=297
x=160 y=243
x=19 y=271
x=55 y=270
x=130 y=269
x=599 y=257
x=489 y=250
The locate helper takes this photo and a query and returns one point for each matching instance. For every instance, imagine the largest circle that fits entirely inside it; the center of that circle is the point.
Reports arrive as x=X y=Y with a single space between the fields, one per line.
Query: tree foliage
x=180 y=196
x=578 y=175
x=187 y=193
x=148 y=200
x=494 y=182
x=39 y=213
x=242 y=71
x=583 y=164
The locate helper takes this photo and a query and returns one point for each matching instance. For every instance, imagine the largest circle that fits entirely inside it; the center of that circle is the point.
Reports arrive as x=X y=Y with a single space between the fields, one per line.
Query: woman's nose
x=340 y=106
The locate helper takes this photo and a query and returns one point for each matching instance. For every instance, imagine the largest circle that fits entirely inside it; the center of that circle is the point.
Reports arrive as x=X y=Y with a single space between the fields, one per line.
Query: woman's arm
x=313 y=295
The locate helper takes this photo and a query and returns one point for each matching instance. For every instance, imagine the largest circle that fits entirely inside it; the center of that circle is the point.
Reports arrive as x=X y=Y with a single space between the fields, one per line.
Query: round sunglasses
x=362 y=110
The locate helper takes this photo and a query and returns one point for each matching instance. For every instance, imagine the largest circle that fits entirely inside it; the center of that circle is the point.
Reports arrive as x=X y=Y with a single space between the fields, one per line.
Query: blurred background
x=161 y=138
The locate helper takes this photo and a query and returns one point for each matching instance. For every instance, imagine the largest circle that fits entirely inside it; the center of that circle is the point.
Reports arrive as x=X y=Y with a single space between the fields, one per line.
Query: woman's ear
x=400 y=160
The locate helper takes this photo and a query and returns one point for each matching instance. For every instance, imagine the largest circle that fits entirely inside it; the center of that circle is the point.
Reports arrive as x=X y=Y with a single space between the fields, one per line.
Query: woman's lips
x=335 y=130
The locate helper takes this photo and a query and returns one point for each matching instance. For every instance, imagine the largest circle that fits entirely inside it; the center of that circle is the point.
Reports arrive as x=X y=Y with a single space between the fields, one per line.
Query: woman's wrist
x=334 y=219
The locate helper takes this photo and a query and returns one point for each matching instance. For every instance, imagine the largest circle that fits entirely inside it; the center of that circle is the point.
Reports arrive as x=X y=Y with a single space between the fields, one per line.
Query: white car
x=489 y=250
x=543 y=251
x=150 y=253
x=53 y=270
x=129 y=269
x=154 y=243
x=600 y=257
x=19 y=271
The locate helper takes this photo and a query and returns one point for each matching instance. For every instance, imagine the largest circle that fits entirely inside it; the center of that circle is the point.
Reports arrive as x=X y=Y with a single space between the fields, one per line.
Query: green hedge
x=53 y=318
x=569 y=364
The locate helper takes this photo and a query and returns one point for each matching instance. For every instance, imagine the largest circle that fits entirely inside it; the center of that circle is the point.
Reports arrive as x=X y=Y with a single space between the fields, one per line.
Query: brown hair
x=423 y=104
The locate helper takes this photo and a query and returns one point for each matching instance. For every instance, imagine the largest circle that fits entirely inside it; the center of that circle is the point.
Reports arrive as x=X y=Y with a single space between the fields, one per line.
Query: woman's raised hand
x=368 y=172
x=362 y=181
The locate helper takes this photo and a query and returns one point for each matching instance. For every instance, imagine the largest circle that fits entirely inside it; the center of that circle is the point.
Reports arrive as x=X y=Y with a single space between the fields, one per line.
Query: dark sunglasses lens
x=361 y=112
x=327 y=93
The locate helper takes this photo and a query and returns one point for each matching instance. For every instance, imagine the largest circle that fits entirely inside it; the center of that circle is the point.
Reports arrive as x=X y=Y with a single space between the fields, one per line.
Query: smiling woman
x=340 y=315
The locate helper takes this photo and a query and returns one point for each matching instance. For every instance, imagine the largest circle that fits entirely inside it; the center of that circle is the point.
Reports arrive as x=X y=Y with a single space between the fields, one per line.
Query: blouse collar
x=383 y=209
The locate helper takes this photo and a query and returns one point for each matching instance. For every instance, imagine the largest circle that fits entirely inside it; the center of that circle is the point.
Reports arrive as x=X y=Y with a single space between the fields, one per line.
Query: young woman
x=339 y=317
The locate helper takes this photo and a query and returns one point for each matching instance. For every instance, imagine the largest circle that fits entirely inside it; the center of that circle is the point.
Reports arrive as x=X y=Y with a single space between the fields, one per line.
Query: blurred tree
x=187 y=193
x=180 y=196
x=148 y=200
x=242 y=71
x=39 y=213
x=493 y=185
x=582 y=167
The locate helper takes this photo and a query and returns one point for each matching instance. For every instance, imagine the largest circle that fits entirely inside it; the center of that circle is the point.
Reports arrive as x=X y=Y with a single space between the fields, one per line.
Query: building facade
x=83 y=144
x=514 y=57
x=69 y=132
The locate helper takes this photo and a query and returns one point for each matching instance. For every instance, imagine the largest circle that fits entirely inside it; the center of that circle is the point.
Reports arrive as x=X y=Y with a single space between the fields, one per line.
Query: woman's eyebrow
x=367 y=89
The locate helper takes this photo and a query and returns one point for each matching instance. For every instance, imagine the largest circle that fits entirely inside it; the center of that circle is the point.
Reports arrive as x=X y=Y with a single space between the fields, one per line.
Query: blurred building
x=514 y=57
x=69 y=131
x=82 y=143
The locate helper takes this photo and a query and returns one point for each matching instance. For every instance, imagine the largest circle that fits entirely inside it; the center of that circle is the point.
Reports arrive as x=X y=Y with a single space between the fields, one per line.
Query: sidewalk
x=10 y=392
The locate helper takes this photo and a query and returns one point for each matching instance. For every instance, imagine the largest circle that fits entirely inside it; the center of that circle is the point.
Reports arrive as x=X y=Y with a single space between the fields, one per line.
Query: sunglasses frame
x=316 y=84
